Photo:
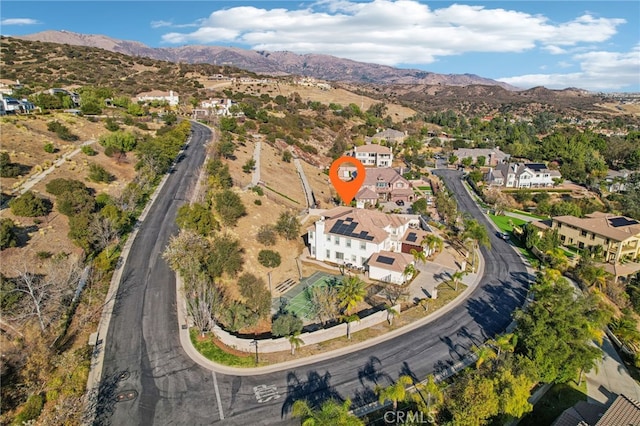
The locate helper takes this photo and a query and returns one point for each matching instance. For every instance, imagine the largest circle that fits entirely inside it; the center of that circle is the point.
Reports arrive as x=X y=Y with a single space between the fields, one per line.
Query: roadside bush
x=8 y=236
x=266 y=235
x=48 y=147
x=97 y=173
x=269 y=258
x=286 y=325
x=30 y=411
x=229 y=206
x=196 y=217
x=88 y=150
x=29 y=205
x=60 y=185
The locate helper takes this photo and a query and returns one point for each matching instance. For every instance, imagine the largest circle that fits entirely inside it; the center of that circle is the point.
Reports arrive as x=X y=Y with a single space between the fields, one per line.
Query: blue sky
x=593 y=45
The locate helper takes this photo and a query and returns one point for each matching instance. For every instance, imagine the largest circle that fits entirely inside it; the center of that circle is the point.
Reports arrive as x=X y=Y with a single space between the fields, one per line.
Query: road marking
x=218 y=400
x=265 y=393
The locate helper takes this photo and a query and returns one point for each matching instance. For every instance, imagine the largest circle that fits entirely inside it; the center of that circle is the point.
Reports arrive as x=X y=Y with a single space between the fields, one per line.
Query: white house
x=373 y=155
x=365 y=239
x=492 y=156
x=389 y=267
x=171 y=97
x=528 y=175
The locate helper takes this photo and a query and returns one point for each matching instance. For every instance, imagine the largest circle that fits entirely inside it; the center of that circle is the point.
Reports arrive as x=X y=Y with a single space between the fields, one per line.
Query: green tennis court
x=297 y=299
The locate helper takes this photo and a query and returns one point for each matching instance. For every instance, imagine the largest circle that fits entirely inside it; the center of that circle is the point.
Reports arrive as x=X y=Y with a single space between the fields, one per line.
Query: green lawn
x=531 y=215
x=207 y=348
x=504 y=222
x=560 y=397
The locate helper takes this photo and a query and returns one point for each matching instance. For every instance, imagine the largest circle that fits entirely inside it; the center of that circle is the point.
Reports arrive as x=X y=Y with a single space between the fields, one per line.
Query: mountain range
x=324 y=67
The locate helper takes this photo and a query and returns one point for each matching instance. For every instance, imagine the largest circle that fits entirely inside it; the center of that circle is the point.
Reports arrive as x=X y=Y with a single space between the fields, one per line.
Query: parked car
x=400 y=203
x=504 y=235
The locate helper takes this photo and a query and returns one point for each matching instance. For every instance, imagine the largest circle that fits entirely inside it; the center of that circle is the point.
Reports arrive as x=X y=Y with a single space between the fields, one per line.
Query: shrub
x=7 y=168
x=8 y=236
x=44 y=254
x=266 y=235
x=60 y=185
x=111 y=125
x=88 y=150
x=29 y=205
x=286 y=156
x=71 y=203
x=48 y=147
x=229 y=206
x=269 y=258
x=97 y=173
x=196 y=217
x=257 y=202
x=30 y=411
x=61 y=131
x=258 y=190
x=288 y=226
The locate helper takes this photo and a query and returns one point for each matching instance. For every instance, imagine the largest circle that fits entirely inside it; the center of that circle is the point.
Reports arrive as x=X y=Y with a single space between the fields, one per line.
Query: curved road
x=143 y=352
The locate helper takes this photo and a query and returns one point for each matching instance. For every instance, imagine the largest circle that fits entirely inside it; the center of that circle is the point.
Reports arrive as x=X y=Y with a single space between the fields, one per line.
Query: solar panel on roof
x=413 y=237
x=386 y=260
x=622 y=221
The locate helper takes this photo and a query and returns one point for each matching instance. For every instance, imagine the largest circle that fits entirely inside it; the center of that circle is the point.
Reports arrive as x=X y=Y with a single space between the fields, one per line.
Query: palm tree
x=456 y=278
x=599 y=277
x=391 y=313
x=625 y=329
x=409 y=271
x=424 y=302
x=483 y=353
x=395 y=392
x=433 y=391
x=504 y=343
x=351 y=291
x=295 y=341
x=433 y=243
x=477 y=234
x=349 y=319
x=331 y=412
x=418 y=256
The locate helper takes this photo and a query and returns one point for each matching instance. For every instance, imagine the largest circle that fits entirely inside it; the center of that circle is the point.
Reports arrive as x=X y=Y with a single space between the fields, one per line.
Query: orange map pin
x=347 y=189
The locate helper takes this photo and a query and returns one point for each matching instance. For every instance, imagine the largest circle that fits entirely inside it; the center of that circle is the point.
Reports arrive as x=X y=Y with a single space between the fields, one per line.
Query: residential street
x=143 y=351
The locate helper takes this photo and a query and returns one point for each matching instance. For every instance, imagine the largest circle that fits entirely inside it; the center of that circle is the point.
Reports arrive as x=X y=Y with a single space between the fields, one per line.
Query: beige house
x=619 y=236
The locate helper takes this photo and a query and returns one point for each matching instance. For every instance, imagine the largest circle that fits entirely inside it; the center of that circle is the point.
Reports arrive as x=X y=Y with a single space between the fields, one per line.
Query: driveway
x=610 y=378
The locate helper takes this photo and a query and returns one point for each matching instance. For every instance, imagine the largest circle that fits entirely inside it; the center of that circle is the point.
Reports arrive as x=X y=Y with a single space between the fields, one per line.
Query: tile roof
x=614 y=227
x=390 y=260
x=361 y=224
x=623 y=411
x=385 y=174
x=366 y=194
x=374 y=148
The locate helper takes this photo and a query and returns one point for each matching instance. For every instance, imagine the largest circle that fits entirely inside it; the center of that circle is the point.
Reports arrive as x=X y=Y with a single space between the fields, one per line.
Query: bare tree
x=395 y=293
x=104 y=231
x=324 y=302
x=204 y=302
x=43 y=295
x=185 y=254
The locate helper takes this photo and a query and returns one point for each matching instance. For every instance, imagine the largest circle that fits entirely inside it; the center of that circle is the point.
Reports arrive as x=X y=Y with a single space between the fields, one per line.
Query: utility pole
x=255 y=342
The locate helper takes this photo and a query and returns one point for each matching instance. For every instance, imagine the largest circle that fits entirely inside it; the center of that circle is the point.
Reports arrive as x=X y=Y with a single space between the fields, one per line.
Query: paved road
x=173 y=390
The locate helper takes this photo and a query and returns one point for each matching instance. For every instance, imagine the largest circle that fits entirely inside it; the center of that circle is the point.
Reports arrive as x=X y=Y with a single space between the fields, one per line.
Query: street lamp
x=254 y=342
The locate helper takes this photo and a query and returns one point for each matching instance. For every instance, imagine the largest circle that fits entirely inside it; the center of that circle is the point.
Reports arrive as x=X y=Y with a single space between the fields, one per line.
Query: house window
x=363 y=245
x=354 y=258
x=583 y=233
x=381 y=184
x=328 y=238
x=311 y=235
x=339 y=256
x=348 y=242
x=337 y=241
x=363 y=260
x=328 y=254
x=580 y=245
x=562 y=238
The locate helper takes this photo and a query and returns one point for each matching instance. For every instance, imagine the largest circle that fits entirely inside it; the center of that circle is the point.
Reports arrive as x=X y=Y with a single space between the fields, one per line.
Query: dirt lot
x=23 y=137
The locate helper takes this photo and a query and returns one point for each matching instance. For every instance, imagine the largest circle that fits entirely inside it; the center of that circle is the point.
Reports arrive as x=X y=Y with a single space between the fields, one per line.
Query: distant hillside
x=323 y=67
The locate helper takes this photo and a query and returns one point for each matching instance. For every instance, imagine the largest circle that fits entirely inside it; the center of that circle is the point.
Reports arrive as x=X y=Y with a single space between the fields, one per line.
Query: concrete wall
x=282 y=343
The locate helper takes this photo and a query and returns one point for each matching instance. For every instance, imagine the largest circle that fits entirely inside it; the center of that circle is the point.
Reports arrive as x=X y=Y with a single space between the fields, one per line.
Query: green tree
x=8 y=237
x=331 y=412
x=504 y=343
x=224 y=256
x=219 y=176
x=483 y=354
x=419 y=206
x=324 y=302
x=97 y=173
x=286 y=156
x=229 y=206
x=120 y=140
x=474 y=400
x=288 y=225
x=555 y=329
x=258 y=298
x=75 y=202
x=30 y=205
x=626 y=329
x=429 y=396
x=249 y=165
x=196 y=217
x=433 y=243
x=351 y=291
x=286 y=324
x=295 y=341
x=514 y=391
x=237 y=315
x=456 y=278
x=395 y=393
x=269 y=258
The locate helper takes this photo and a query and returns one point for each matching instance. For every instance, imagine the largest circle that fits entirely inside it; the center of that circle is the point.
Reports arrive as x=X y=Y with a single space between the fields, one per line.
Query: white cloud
x=393 y=32
x=19 y=21
x=599 y=71
x=160 y=24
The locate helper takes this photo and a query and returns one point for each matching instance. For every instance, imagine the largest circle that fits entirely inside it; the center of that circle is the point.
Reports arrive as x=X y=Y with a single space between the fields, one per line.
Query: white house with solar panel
x=368 y=239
